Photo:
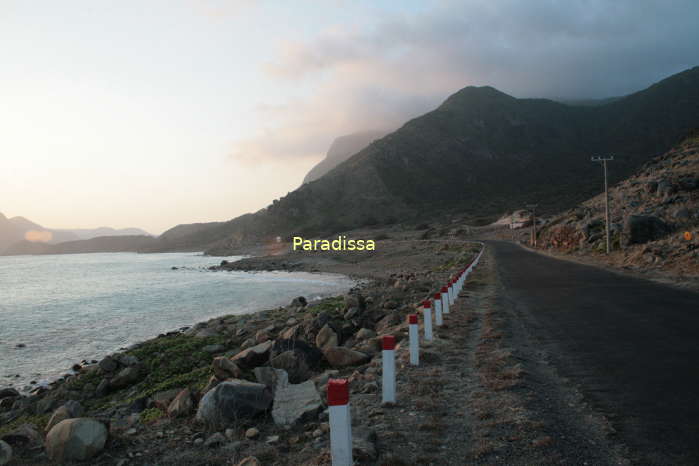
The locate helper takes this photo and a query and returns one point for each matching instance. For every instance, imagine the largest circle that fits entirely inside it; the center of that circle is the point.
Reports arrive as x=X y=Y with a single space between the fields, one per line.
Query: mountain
x=54 y=236
x=98 y=244
x=480 y=153
x=342 y=149
x=9 y=232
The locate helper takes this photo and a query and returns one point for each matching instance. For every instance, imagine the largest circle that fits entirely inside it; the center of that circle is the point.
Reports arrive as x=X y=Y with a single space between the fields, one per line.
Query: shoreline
x=123 y=389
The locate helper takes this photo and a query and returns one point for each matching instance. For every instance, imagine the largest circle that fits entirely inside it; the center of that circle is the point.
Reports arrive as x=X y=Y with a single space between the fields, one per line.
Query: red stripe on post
x=338 y=392
x=438 y=296
x=426 y=303
x=444 y=289
x=388 y=342
x=412 y=319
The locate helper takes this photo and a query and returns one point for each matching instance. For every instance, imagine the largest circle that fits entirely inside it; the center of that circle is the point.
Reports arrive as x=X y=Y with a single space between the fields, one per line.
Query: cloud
x=407 y=65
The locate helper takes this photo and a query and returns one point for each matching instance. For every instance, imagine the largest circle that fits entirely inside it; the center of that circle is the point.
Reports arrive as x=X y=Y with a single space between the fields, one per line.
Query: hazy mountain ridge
x=341 y=149
x=92 y=245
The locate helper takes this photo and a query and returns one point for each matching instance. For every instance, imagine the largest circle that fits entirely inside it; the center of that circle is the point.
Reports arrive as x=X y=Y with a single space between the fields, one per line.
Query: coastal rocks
x=298 y=303
x=24 y=436
x=295 y=403
x=75 y=439
x=233 y=400
x=182 y=405
x=254 y=356
x=364 y=334
x=5 y=453
x=215 y=440
x=71 y=409
x=126 y=360
x=342 y=357
x=125 y=377
x=249 y=461
x=224 y=368
x=270 y=377
x=326 y=338
x=640 y=229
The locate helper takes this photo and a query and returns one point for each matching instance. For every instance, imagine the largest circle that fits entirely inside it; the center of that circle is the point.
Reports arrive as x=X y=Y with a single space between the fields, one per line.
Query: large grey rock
x=254 y=356
x=125 y=377
x=270 y=377
x=233 y=400
x=75 y=439
x=163 y=399
x=5 y=453
x=24 y=436
x=640 y=229
x=71 y=409
x=295 y=403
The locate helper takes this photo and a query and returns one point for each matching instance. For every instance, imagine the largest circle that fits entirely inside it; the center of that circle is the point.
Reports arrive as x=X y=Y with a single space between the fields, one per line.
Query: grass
x=151 y=415
x=39 y=421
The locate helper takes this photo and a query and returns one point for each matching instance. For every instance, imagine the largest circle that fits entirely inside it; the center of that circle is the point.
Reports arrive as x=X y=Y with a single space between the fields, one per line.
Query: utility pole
x=532 y=209
x=604 y=161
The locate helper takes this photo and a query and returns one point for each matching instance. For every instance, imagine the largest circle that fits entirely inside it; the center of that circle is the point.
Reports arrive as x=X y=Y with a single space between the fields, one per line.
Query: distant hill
x=20 y=229
x=342 y=149
x=99 y=244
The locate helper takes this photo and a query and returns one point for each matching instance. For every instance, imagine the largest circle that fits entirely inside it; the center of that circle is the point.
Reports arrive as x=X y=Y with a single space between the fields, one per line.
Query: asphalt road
x=631 y=346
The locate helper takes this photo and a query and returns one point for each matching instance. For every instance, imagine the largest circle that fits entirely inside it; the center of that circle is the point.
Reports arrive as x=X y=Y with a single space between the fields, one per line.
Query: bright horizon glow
x=151 y=114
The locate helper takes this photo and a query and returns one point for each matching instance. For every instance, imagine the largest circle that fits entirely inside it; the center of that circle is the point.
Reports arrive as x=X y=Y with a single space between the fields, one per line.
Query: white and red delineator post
x=340 y=422
x=388 y=357
x=427 y=316
x=450 y=292
x=438 y=309
x=445 y=300
x=414 y=340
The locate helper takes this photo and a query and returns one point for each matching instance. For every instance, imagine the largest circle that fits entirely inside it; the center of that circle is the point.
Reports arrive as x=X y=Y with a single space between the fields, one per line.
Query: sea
x=57 y=310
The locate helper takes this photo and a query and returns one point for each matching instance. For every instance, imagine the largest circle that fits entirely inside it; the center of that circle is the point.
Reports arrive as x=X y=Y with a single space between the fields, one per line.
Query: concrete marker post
x=445 y=300
x=388 y=357
x=414 y=340
x=427 y=316
x=340 y=422
x=438 y=309
x=451 y=292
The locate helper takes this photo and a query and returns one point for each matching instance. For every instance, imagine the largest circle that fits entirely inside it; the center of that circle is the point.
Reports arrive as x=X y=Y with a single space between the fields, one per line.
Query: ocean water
x=66 y=308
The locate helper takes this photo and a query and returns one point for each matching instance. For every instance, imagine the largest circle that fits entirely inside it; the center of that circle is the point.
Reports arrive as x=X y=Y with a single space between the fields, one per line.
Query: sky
x=153 y=113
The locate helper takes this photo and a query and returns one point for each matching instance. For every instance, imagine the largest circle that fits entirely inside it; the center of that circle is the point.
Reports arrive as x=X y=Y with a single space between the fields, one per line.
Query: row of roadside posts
x=338 y=389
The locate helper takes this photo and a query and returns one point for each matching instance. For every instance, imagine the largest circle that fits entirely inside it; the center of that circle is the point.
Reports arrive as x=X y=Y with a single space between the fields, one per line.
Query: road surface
x=631 y=346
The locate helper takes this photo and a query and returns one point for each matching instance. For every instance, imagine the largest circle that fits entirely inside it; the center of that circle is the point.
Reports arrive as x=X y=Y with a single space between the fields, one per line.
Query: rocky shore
x=243 y=389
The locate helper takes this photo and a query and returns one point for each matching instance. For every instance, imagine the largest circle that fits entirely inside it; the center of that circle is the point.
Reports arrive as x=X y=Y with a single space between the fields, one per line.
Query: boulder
x=182 y=405
x=24 y=436
x=254 y=356
x=342 y=357
x=215 y=440
x=310 y=353
x=126 y=359
x=75 y=439
x=108 y=364
x=298 y=303
x=326 y=338
x=163 y=399
x=295 y=403
x=8 y=393
x=292 y=333
x=224 y=368
x=125 y=377
x=5 y=452
x=233 y=400
x=294 y=363
x=213 y=381
x=71 y=409
x=640 y=229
